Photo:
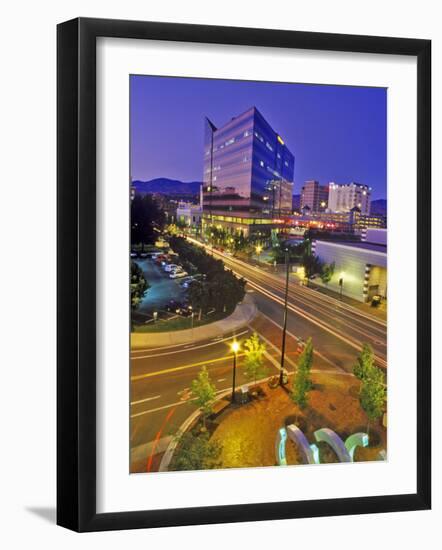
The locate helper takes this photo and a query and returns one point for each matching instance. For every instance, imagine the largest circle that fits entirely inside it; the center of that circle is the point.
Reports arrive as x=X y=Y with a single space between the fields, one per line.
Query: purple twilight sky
x=337 y=133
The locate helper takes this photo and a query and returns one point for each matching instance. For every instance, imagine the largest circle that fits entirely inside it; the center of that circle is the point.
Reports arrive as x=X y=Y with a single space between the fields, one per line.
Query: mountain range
x=379 y=207
x=167 y=186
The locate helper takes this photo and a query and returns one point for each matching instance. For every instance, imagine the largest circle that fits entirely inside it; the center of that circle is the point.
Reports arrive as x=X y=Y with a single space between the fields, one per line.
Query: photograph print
x=258 y=274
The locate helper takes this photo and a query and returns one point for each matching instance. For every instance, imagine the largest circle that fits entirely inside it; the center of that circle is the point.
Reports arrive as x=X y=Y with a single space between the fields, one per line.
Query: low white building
x=345 y=197
x=360 y=267
x=374 y=235
x=189 y=214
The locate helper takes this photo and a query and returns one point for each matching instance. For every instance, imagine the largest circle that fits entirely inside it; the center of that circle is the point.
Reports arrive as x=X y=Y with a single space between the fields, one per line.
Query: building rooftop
x=376 y=247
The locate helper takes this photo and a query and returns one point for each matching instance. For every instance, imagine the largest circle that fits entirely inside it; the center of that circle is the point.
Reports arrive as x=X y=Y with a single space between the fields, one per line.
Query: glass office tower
x=248 y=170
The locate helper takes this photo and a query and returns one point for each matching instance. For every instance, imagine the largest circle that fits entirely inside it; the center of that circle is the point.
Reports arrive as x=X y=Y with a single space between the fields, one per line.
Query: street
x=336 y=328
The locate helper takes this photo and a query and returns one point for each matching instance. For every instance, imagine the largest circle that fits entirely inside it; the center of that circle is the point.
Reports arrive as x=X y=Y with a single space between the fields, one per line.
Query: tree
x=203 y=391
x=146 y=216
x=196 y=452
x=226 y=290
x=302 y=383
x=254 y=358
x=199 y=297
x=373 y=394
x=138 y=285
x=327 y=271
x=365 y=362
x=311 y=264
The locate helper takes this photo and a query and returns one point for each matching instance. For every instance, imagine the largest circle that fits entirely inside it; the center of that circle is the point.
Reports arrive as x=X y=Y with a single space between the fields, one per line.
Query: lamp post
x=235 y=349
x=341 y=284
x=192 y=315
x=258 y=251
x=284 y=329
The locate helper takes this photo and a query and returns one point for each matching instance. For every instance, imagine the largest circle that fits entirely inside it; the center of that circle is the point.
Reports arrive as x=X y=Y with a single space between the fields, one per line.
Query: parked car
x=160 y=259
x=170 y=267
x=133 y=254
x=178 y=274
x=144 y=254
x=185 y=283
x=182 y=308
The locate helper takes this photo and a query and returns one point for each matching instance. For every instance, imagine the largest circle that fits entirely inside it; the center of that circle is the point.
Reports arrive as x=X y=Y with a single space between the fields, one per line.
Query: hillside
x=167 y=186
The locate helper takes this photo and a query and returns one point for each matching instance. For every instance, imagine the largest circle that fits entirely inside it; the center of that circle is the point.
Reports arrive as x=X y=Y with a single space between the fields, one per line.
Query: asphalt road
x=311 y=310
x=160 y=386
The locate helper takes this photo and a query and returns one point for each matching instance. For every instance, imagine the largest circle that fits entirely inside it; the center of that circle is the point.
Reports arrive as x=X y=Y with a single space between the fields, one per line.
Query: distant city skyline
x=337 y=133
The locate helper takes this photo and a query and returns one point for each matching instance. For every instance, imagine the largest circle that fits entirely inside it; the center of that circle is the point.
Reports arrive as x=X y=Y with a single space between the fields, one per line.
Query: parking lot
x=162 y=288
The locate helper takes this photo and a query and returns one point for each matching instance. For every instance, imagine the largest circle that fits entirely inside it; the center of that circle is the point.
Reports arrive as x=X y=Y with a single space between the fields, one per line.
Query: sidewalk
x=241 y=317
x=380 y=312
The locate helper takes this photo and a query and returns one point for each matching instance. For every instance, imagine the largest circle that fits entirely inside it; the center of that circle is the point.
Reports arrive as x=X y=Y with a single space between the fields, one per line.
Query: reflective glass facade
x=247 y=167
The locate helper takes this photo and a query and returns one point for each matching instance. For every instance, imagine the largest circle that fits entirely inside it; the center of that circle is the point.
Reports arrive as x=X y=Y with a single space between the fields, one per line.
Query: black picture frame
x=76 y=273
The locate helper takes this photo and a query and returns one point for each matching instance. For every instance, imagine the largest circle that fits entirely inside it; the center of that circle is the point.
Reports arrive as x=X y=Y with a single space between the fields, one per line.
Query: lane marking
x=276 y=280
x=314 y=320
x=261 y=381
x=319 y=308
x=158 y=437
x=218 y=340
x=183 y=367
x=144 y=400
x=171 y=405
x=144 y=449
x=319 y=354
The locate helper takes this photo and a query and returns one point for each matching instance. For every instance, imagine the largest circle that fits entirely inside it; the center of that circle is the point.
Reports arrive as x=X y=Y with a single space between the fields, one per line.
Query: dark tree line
x=146 y=216
x=220 y=290
x=138 y=285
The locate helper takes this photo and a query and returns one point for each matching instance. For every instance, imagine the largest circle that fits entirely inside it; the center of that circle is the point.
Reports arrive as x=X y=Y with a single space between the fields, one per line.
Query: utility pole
x=284 y=329
x=235 y=349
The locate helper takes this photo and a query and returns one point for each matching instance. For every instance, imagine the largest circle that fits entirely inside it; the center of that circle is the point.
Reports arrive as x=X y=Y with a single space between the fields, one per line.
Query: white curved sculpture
x=310 y=453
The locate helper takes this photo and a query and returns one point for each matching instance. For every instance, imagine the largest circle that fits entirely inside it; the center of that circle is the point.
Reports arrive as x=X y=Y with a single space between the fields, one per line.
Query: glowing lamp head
x=235 y=347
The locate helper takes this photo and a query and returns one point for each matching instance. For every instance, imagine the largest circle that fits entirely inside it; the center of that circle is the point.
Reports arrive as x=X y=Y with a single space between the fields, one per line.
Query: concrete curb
x=168 y=454
x=242 y=316
x=167 y=457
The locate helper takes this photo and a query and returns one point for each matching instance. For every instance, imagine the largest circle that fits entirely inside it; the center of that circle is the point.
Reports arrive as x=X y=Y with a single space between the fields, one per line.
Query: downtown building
x=345 y=197
x=360 y=266
x=248 y=175
x=314 y=197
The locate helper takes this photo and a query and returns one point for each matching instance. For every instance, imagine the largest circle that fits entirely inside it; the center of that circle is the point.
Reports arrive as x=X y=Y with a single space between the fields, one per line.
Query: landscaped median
x=245 y=434
x=243 y=314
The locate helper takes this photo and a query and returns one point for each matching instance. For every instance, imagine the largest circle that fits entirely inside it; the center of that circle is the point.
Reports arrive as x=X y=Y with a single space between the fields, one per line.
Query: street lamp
x=258 y=251
x=192 y=314
x=341 y=284
x=284 y=329
x=235 y=349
